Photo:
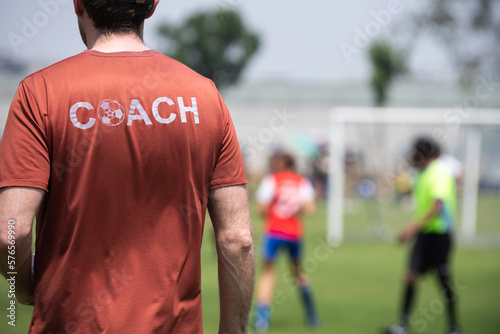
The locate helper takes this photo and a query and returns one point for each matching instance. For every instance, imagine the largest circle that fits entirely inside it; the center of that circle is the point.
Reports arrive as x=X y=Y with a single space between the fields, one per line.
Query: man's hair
x=113 y=16
x=424 y=148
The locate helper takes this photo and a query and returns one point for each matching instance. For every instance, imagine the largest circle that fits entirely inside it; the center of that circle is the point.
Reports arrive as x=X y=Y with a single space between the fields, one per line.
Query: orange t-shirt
x=285 y=193
x=127 y=146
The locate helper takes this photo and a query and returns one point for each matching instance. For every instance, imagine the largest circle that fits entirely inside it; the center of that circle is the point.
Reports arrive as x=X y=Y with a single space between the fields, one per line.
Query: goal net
x=368 y=165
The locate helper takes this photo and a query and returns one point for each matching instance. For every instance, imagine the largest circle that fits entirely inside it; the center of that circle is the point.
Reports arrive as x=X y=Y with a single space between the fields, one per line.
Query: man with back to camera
x=434 y=194
x=118 y=151
x=283 y=197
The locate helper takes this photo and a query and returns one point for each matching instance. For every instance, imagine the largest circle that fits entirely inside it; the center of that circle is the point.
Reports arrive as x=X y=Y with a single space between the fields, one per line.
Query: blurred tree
x=387 y=63
x=216 y=44
x=469 y=30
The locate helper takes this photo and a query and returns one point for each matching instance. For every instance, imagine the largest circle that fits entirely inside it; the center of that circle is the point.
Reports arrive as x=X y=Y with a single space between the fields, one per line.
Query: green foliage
x=216 y=44
x=468 y=29
x=387 y=63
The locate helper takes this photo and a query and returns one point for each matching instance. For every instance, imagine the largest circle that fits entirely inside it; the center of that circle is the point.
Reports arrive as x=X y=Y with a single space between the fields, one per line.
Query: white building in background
x=295 y=117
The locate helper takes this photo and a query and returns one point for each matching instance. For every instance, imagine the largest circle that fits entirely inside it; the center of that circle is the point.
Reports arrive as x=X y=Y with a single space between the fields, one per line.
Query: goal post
x=472 y=122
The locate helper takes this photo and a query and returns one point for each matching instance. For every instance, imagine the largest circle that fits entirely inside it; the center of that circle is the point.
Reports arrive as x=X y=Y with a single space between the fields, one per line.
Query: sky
x=302 y=41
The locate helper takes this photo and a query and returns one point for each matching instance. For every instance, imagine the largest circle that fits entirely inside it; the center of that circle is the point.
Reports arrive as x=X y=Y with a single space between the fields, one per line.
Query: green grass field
x=357 y=285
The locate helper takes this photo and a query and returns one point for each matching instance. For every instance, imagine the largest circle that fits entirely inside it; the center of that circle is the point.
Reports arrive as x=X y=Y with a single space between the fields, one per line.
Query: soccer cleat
x=262 y=318
x=396 y=329
x=454 y=331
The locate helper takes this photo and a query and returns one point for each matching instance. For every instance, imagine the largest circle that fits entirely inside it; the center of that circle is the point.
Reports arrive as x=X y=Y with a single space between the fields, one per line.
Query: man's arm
x=228 y=208
x=415 y=227
x=18 y=207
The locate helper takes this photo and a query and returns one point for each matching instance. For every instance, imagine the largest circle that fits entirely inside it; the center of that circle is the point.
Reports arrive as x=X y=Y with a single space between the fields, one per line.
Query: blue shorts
x=271 y=246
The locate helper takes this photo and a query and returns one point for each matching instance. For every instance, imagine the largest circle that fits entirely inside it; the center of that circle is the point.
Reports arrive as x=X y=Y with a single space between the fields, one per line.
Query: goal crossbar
x=340 y=117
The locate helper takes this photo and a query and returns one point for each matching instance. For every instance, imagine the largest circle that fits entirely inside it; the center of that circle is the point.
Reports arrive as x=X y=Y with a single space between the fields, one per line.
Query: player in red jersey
x=283 y=197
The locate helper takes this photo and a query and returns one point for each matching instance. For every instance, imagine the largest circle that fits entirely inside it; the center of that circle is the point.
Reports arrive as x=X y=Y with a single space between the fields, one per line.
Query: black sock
x=449 y=298
x=407 y=303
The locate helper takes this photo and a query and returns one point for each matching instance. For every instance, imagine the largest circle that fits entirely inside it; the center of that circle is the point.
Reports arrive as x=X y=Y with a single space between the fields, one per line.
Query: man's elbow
x=236 y=241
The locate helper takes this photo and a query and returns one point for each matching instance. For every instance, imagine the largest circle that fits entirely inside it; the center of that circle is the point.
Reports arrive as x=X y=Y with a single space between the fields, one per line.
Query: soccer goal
x=379 y=140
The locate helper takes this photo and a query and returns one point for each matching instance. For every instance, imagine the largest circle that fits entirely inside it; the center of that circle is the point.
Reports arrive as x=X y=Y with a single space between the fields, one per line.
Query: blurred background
x=293 y=72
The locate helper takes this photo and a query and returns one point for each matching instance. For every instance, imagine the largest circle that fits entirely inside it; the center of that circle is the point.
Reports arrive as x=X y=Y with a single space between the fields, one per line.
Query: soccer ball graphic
x=110 y=112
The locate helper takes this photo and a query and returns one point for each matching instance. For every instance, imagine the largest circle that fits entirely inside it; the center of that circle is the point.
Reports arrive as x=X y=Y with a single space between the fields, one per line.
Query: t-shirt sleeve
x=266 y=191
x=24 y=155
x=307 y=193
x=229 y=169
x=439 y=186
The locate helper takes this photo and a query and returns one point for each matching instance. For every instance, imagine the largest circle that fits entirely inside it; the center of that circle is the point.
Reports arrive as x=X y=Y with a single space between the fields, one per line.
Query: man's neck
x=427 y=163
x=118 y=43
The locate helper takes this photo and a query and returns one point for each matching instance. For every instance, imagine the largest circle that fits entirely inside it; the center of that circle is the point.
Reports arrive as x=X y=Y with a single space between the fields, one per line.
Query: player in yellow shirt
x=434 y=194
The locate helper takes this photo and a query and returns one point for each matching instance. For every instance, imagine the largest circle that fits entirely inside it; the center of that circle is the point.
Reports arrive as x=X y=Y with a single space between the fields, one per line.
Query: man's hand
x=409 y=232
x=414 y=228
x=228 y=208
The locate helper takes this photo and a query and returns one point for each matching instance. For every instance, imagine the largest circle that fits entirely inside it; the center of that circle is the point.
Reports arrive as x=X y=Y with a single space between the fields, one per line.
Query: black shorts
x=430 y=251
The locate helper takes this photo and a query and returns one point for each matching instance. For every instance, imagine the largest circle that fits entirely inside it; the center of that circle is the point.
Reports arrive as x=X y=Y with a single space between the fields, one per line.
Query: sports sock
x=449 y=299
x=407 y=303
x=307 y=299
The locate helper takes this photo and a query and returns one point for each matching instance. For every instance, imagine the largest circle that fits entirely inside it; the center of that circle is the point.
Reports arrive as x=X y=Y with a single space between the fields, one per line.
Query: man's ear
x=79 y=8
x=152 y=9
